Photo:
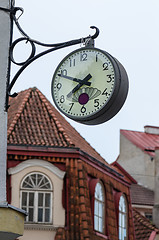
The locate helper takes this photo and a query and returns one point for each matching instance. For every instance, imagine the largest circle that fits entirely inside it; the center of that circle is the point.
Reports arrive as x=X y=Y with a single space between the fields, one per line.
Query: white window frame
x=36 y=192
x=123 y=218
x=99 y=203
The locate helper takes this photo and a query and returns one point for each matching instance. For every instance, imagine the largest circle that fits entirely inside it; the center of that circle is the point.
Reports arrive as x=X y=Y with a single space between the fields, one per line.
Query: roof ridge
x=58 y=124
x=20 y=109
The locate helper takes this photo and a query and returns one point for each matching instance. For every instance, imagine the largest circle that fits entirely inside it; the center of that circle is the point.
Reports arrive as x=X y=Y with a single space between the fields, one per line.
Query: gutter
x=65 y=152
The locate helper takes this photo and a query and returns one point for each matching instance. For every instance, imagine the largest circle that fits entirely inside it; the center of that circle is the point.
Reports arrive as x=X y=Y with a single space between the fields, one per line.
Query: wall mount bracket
x=89 y=40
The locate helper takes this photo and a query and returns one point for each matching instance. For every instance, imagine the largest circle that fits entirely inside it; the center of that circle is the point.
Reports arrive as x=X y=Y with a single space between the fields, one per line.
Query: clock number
x=96 y=102
x=64 y=72
x=71 y=106
x=83 y=109
x=59 y=85
x=83 y=57
x=72 y=62
x=105 y=92
x=110 y=78
x=62 y=99
x=105 y=66
x=96 y=58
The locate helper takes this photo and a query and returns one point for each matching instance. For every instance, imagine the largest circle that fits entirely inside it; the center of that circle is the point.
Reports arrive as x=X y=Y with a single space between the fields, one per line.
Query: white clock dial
x=83 y=83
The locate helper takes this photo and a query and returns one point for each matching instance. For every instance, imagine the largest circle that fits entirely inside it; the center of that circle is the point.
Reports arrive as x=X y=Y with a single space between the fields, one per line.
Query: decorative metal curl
x=33 y=56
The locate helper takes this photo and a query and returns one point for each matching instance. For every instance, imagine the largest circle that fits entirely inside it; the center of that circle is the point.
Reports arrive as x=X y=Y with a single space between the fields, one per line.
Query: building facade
x=67 y=188
x=139 y=156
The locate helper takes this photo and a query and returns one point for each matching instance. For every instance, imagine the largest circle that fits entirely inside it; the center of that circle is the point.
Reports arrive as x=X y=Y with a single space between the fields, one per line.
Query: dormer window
x=36 y=198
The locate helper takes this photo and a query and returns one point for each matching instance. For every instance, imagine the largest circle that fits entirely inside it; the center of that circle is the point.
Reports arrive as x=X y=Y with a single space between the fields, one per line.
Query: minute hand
x=74 y=79
x=83 y=82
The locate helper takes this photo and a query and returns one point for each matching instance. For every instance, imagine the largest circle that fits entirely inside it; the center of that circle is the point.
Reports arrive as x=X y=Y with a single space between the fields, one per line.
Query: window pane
x=33 y=177
x=95 y=222
x=24 y=198
x=124 y=233
x=100 y=225
x=27 y=183
x=97 y=191
x=40 y=215
x=120 y=217
x=30 y=215
x=47 y=200
x=31 y=199
x=119 y=233
x=39 y=177
x=125 y=221
x=40 y=199
x=100 y=210
x=47 y=215
x=96 y=208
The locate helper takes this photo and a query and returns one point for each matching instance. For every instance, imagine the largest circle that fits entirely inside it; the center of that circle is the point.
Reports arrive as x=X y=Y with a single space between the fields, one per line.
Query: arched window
x=99 y=208
x=36 y=198
x=123 y=235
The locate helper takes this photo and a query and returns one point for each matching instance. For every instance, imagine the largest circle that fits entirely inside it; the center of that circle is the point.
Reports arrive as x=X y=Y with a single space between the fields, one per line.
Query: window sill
x=101 y=235
x=40 y=226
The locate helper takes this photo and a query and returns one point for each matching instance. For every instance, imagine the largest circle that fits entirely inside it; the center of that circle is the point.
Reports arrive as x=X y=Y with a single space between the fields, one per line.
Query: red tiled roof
x=141 y=195
x=145 y=141
x=33 y=121
x=143 y=227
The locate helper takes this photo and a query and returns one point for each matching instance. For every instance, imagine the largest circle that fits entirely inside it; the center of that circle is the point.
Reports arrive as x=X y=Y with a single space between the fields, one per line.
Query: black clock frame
x=115 y=102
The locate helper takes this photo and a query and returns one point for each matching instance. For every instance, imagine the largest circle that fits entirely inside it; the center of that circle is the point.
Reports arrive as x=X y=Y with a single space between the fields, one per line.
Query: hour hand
x=74 y=79
x=83 y=82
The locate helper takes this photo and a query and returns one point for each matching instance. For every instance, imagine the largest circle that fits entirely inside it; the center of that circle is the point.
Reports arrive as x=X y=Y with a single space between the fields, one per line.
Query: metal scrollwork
x=33 y=56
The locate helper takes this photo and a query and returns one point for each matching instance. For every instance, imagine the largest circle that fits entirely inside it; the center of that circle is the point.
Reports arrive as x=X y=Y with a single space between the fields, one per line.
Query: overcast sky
x=128 y=30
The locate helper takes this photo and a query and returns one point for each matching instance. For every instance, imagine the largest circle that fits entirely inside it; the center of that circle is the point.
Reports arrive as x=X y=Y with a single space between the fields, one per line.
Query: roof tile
x=33 y=121
x=143 y=227
x=141 y=195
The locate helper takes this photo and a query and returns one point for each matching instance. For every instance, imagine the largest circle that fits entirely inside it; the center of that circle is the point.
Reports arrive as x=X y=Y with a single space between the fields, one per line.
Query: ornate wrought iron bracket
x=33 y=56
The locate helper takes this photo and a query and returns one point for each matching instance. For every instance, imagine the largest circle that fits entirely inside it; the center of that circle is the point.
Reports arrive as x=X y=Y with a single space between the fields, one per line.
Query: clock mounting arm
x=88 y=41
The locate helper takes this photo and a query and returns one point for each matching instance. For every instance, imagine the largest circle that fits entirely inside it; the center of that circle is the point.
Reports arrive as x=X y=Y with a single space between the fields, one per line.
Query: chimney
x=151 y=129
x=156 y=190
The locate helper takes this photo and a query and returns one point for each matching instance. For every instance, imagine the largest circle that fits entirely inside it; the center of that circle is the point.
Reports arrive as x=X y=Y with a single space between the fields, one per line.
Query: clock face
x=84 y=83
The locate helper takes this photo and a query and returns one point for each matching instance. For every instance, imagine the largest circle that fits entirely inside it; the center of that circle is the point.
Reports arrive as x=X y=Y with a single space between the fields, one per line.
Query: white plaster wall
x=58 y=212
x=4 y=50
x=38 y=235
x=157 y=237
x=137 y=163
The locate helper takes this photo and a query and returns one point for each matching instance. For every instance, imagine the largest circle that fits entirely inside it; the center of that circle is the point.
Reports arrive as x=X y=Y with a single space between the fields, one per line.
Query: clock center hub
x=83 y=98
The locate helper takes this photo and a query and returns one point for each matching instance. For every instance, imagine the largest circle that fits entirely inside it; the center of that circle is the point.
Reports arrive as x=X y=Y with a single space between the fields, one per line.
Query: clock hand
x=83 y=82
x=74 y=79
